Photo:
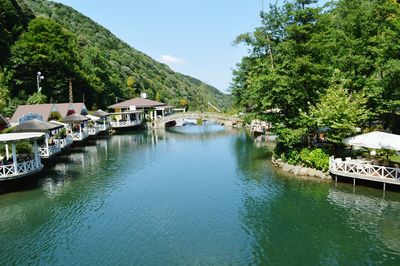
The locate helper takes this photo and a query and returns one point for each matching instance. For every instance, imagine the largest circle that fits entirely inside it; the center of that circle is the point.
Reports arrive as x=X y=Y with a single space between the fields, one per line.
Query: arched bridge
x=178 y=118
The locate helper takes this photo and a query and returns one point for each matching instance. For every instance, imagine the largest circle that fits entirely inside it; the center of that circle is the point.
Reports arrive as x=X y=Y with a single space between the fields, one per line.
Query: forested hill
x=62 y=43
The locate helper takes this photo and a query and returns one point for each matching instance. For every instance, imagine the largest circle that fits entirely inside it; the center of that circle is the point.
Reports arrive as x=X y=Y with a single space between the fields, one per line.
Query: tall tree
x=48 y=48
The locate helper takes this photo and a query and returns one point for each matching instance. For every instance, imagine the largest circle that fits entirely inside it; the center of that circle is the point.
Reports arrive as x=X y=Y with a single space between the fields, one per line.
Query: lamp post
x=39 y=78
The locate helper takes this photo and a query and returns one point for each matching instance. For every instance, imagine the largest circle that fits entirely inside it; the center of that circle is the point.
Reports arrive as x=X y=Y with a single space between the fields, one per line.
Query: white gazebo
x=93 y=127
x=103 y=121
x=79 y=126
x=50 y=146
x=18 y=165
x=65 y=139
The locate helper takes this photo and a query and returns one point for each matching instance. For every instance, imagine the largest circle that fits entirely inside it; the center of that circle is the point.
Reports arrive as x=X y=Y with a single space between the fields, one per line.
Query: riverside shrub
x=314 y=158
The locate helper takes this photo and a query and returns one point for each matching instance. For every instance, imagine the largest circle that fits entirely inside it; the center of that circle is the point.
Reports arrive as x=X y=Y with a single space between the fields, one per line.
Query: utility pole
x=71 y=95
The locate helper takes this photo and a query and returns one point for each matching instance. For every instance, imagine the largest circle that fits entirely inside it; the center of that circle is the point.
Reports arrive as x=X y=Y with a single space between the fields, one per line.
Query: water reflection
x=302 y=222
x=371 y=215
x=194 y=195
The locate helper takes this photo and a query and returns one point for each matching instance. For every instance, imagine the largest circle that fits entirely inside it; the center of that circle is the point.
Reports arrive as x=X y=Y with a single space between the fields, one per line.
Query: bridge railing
x=201 y=115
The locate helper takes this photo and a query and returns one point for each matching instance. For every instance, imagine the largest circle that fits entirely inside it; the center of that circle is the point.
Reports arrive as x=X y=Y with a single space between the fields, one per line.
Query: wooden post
x=14 y=156
x=384 y=186
x=354 y=182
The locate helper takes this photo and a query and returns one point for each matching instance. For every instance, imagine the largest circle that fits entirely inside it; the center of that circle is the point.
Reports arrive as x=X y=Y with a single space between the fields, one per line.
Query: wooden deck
x=359 y=169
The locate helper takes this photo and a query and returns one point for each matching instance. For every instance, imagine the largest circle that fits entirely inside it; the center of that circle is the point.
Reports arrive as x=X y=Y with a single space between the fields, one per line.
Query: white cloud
x=171 y=60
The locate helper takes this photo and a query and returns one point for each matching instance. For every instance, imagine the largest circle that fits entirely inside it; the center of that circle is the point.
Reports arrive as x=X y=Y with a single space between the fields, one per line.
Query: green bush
x=314 y=158
x=24 y=147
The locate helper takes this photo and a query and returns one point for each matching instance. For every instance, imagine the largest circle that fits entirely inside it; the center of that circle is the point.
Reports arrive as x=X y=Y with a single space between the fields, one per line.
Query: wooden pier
x=364 y=170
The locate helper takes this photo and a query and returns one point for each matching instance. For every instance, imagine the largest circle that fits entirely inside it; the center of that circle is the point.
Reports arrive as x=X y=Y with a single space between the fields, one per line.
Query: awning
x=15 y=137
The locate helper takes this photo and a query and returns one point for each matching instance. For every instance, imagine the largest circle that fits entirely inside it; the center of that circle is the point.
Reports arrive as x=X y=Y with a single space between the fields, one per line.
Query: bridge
x=179 y=118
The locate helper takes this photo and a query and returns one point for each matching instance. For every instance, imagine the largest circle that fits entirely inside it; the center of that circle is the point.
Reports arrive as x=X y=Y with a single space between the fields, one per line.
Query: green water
x=191 y=196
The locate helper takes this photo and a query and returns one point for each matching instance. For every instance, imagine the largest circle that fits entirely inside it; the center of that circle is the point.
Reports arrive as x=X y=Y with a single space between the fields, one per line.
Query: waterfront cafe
x=99 y=122
x=152 y=109
x=372 y=169
x=65 y=138
x=93 y=128
x=103 y=122
x=19 y=163
x=50 y=146
x=78 y=126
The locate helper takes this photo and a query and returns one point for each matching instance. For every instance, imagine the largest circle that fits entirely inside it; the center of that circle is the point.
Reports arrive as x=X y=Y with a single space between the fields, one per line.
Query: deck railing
x=23 y=168
x=65 y=142
x=103 y=127
x=93 y=131
x=79 y=136
x=125 y=123
x=53 y=149
x=363 y=169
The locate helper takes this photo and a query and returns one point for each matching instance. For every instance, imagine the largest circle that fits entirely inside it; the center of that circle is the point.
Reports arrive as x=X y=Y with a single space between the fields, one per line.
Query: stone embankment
x=299 y=170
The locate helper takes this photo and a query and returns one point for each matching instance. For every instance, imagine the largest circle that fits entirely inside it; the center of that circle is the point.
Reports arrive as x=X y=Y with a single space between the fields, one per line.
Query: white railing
x=125 y=123
x=103 y=127
x=53 y=149
x=93 y=131
x=363 y=169
x=65 y=142
x=79 y=136
x=23 y=168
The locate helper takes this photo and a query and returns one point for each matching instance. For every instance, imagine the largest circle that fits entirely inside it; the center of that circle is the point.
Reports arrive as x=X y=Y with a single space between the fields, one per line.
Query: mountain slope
x=114 y=69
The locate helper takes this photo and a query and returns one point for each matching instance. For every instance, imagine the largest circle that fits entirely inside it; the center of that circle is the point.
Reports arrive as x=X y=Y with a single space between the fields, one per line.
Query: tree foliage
x=339 y=112
x=297 y=50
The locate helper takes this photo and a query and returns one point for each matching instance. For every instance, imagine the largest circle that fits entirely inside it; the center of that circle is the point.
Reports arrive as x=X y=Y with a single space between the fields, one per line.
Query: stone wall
x=299 y=170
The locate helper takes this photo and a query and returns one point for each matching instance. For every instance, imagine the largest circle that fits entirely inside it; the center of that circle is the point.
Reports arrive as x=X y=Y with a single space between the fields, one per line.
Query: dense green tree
x=297 y=49
x=37 y=98
x=339 y=111
x=48 y=48
x=4 y=92
x=14 y=18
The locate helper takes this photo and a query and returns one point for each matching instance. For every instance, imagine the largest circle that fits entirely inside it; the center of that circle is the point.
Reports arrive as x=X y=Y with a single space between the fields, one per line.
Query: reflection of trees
x=73 y=185
x=249 y=157
x=293 y=221
x=294 y=227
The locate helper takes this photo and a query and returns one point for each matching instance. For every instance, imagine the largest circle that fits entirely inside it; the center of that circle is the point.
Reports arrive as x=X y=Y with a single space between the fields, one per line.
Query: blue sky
x=192 y=37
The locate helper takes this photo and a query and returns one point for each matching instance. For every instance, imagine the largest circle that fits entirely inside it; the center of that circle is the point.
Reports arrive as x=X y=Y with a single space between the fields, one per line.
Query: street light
x=39 y=78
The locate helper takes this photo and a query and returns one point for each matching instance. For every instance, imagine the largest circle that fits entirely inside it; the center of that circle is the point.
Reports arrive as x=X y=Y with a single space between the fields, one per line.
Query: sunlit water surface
x=188 y=196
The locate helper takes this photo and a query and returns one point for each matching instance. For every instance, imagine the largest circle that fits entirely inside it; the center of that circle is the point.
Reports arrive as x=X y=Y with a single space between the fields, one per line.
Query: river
x=197 y=195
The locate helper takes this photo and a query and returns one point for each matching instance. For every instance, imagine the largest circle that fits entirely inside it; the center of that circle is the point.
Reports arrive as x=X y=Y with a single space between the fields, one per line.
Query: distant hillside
x=63 y=43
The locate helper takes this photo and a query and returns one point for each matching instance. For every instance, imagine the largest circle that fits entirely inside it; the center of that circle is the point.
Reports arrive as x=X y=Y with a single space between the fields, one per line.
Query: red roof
x=63 y=108
x=138 y=103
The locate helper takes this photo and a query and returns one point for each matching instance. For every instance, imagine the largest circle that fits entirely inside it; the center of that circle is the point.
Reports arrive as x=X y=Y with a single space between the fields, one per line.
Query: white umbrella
x=375 y=140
